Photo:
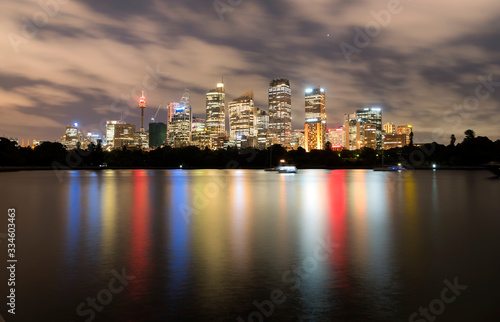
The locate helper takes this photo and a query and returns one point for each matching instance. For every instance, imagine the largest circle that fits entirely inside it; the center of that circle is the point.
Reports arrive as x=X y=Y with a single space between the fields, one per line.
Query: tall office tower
x=157 y=134
x=242 y=121
x=352 y=132
x=405 y=130
x=124 y=135
x=298 y=138
x=216 y=116
x=389 y=128
x=179 y=128
x=314 y=132
x=315 y=126
x=199 y=134
x=72 y=137
x=110 y=132
x=142 y=106
x=369 y=136
x=372 y=115
x=280 y=112
x=261 y=127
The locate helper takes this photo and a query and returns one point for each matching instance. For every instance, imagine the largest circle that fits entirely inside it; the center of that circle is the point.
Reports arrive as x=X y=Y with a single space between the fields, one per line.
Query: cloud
x=93 y=53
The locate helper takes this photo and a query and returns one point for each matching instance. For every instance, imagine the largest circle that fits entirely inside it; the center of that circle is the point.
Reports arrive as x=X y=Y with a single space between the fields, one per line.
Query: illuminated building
x=179 y=128
x=369 y=136
x=406 y=131
x=389 y=128
x=372 y=115
x=215 y=112
x=315 y=119
x=261 y=127
x=352 y=132
x=199 y=134
x=394 y=141
x=157 y=134
x=142 y=106
x=336 y=137
x=124 y=135
x=110 y=132
x=280 y=112
x=242 y=121
x=72 y=137
x=314 y=135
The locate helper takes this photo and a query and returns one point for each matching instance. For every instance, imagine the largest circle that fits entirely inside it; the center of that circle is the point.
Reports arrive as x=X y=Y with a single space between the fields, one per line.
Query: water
x=214 y=245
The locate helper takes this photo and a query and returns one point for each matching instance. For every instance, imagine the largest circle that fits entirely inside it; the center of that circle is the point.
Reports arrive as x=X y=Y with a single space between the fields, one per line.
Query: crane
x=159 y=106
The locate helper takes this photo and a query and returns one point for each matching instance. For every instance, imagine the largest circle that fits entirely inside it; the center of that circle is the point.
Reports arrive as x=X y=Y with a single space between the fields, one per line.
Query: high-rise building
x=352 y=132
x=372 y=115
x=242 y=121
x=124 y=135
x=261 y=127
x=314 y=132
x=336 y=137
x=72 y=137
x=298 y=139
x=179 y=128
x=389 y=128
x=157 y=134
x=405 y=130
x=216 y=115
x=369 y=136
x=199 y=134
x=110 y=132
x=315 y=119
x=280 y=112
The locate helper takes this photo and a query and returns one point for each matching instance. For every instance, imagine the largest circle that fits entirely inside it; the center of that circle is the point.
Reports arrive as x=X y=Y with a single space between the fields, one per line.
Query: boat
x=398 y=167
x=284 y=167
x=494 y=167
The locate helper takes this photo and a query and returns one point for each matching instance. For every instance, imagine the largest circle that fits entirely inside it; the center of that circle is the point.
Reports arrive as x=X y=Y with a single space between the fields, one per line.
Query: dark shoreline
x=14 y=169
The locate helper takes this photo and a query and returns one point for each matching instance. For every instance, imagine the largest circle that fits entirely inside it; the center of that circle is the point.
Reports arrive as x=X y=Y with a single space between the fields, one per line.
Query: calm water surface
x=214 y=245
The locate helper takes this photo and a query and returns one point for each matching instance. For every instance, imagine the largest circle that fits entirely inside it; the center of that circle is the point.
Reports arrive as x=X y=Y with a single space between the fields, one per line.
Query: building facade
x=372 y=115
x=216 y=114
x=280 y=112
x=315 y=116
x=243 y=121
x=157 y=134
x=179 y=128
x=405 y=130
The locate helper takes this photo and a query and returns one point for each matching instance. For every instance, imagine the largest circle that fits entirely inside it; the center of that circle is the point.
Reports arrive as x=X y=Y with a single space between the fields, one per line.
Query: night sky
x=418 y=68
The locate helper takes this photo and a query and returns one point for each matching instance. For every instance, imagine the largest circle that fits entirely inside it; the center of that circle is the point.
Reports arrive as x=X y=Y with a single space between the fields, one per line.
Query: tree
x=469 y=134
x=411 y=138
x=328 y=146
x=453 y=139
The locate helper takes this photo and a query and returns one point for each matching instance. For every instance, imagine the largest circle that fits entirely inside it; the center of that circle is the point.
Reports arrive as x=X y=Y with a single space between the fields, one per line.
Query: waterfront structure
x=315 y=115
x=242 y=120
x=372 y=115
x=405 y=130
x=215 y=114
x=389 y=128
x=157 y=134
x=280 y=112
x=394 y=141
x=179 y=128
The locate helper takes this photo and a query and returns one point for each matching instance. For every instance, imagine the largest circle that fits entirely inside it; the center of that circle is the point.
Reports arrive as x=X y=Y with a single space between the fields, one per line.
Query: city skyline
x=84 y=69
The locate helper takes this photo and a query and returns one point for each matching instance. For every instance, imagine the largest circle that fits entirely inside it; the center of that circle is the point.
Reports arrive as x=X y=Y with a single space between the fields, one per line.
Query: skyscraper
x=242 y=121
x=261 y=126
x=179 y=127
x=372 y=115
x=389 y=128
x=157 y=134
x=215 y=111
x=280 y=112
x=315 y=126
x=352 y=132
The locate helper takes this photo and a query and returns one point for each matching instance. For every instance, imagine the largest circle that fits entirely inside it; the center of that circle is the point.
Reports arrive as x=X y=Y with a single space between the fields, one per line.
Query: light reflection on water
x=206 y=244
